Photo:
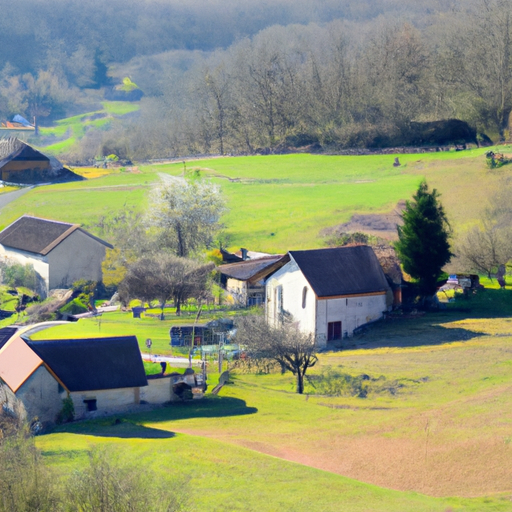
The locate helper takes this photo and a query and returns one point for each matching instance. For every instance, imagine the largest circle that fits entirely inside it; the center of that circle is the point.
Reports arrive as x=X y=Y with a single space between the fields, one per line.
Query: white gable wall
x=41 y=396
x=286 y=287
x=77 y=257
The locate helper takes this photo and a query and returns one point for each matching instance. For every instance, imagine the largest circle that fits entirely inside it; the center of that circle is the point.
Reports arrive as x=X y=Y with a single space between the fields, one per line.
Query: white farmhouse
x=61 y=253
x=328 y=292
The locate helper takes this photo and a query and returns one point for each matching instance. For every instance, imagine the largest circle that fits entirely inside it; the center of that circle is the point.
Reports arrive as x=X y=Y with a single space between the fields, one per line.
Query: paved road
x=5 y=199
x=174 y=361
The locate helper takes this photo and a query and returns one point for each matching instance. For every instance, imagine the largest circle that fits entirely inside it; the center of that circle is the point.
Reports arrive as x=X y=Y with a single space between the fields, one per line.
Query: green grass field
x=434 y=435
x=70 y=130
x=277 y=203
x=438 y=439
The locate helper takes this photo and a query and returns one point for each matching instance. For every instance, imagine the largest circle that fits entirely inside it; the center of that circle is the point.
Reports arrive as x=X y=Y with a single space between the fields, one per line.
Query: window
x=333 y=331
x=91 y=404
x=304 y=296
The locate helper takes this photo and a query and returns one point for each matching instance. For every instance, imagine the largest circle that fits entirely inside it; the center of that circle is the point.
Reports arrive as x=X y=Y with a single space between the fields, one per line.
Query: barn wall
x=293 y=283
x=108 y=401
x=158 y=391
x=77 y=257
x=41 y=396
x=351 y=311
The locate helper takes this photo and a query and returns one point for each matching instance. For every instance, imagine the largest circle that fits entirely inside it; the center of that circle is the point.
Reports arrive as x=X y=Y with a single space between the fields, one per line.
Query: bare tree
x=164 y=276
x=487 y=246
x=294 y=350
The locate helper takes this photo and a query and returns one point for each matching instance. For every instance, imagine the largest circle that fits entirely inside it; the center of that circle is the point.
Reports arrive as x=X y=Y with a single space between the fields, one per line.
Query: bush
x=15 y=275
x=67 y=413
x=75 y=307
x=334 y=382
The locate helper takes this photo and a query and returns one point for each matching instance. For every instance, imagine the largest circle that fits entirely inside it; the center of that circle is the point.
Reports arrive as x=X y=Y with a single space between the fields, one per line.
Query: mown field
x=277 y=203
x=433 y=433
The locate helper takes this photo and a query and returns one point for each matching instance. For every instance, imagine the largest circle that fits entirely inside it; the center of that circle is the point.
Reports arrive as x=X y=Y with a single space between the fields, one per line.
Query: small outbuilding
x=21 y=163
x=101 y=374
x=61 y=253
x=244 y=281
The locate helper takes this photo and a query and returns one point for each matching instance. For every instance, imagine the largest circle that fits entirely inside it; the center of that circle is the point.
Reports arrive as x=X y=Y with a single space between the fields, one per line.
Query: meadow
x=433 y=433
x=65 y=135
x=434 y=429
x=282 y=202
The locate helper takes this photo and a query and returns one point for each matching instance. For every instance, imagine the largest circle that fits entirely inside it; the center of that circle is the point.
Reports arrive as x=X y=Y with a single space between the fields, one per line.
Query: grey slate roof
x=10 y=146
x=341 y=271
x=245 y=270
x=39 y=236
x=95 y=363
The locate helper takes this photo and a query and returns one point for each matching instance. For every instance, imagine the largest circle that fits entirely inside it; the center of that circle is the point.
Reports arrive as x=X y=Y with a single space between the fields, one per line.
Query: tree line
x=238 y=78
x=338 y=85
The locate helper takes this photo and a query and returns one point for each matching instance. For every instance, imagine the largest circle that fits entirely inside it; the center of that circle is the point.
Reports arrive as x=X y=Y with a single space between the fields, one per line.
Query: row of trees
x=340 y=84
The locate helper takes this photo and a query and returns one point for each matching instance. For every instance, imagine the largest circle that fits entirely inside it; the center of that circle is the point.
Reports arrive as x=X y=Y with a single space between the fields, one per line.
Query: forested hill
x=250 y=76
x=33 y=33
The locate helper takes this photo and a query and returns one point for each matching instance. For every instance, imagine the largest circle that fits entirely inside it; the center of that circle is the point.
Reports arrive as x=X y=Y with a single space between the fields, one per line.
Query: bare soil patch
x=381 y=225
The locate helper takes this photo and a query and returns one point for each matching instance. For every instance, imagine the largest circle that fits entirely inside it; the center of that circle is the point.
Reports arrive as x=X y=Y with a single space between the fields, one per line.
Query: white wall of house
x=41 y=397
x=352 y=312
x=40 y=264
x=285 y=294
x=77 y=257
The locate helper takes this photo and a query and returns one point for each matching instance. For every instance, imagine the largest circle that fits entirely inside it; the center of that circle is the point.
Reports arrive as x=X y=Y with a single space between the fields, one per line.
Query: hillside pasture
x=435 y=434
x=277 y=203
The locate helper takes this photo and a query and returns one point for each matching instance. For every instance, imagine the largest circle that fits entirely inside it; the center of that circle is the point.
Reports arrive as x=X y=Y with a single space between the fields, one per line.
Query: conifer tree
x=423 y=239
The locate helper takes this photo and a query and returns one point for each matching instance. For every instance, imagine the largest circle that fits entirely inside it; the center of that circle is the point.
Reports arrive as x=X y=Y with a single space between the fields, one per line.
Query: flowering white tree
x=186 y=212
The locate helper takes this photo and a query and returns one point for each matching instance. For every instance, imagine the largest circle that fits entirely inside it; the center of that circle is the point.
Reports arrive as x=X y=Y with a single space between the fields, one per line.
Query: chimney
x=244 y=253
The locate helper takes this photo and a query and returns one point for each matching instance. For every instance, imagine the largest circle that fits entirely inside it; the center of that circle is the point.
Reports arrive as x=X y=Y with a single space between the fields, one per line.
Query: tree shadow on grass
x=116 y=427
x=430 y=335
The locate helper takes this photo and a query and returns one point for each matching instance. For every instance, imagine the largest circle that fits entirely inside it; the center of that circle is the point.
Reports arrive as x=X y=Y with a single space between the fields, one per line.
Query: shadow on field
x=412 y=332
x=212 y=406
x=115 y=427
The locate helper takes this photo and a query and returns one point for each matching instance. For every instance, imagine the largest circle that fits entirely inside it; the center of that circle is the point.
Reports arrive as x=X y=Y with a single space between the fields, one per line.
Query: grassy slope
x=72 y=129
x=447 y=432
x=283 y=202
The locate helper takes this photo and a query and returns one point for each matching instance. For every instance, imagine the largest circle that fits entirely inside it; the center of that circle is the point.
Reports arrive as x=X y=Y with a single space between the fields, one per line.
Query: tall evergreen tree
x=423 y=246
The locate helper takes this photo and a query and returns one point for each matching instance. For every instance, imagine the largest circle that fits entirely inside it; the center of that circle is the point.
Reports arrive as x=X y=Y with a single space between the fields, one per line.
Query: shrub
x=15 y=274
x=67 y=413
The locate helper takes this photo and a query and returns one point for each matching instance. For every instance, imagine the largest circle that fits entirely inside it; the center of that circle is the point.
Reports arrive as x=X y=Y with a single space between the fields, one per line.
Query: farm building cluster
x=327 y=292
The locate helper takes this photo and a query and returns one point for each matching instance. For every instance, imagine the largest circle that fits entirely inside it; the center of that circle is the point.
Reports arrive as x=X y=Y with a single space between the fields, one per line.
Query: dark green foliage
x=67 y=413
x=423 y=246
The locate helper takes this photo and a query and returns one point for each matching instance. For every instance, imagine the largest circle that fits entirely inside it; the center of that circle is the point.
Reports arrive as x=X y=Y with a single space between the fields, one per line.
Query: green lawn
x=277 y=203
x=443 y=431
